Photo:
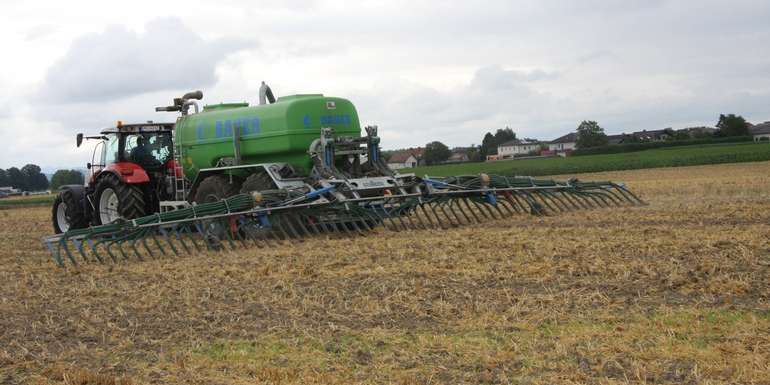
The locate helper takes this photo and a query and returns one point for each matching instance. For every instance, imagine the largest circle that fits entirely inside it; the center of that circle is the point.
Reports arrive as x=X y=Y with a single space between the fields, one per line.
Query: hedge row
x=632 y=147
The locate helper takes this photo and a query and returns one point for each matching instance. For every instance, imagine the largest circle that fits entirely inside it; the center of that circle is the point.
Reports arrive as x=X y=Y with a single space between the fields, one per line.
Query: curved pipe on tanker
x=265 y=94
x=189 y=103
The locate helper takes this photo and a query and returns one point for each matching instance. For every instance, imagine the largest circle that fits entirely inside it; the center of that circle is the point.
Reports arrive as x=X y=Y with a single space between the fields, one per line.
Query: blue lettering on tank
x=306 y=121
x=225 y=128
x=335 y=119
x=199 y=131
x=255 y=129
x=228 y=131
x=218 y=129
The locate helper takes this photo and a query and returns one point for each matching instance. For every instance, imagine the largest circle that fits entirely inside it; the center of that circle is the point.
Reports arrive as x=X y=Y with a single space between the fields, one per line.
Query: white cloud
x=118 y=63
x=420 y=70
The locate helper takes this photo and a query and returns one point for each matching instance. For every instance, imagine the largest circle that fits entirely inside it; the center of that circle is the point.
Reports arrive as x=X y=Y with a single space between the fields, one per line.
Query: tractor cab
x=129 y=148
x=132 y=171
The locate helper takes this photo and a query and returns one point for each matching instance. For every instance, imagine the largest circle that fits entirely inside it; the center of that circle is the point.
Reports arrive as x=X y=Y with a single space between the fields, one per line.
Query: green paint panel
x=278 y=132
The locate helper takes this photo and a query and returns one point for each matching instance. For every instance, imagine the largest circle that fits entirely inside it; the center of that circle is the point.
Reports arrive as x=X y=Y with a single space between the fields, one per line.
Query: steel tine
x=63 y=243
x=119 y=243
x=55 y=252
x=465 y=200
x=442 y=208
x=459 y=207
x=181 y=241
x=416 y=212
x=189 y=233
x=292 y=230
x=543 y=200
x=146 y=247
x=393 y=223
x=514 y=202
x=576 y=203
x=432 y=207
x=400 y=224
x=458 y=212
x=612 y=197
x=557 y=204
x=108 y=246
x=301 y=225
x=136 y=252
x=481 y=209
x=427 y=217
x=165 y=235
x=92 y=244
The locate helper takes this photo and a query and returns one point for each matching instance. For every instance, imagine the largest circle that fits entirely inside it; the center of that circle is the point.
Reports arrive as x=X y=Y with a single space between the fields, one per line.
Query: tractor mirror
x=80 y=139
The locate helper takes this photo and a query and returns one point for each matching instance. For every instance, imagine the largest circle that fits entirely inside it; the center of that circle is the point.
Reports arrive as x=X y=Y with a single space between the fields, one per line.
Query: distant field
x=663 y=157
x=675 y=292
x=32 y=200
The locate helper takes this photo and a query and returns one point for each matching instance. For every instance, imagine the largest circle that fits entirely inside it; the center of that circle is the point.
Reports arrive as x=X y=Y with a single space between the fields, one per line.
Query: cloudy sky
x=421 y=70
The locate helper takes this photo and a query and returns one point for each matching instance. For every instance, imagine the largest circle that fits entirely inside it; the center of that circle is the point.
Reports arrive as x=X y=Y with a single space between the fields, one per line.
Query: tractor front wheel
x=115 y=199
x=67 y=213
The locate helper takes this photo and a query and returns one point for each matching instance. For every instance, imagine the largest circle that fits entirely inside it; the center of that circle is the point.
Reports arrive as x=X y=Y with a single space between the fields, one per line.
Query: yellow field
x=673 y=292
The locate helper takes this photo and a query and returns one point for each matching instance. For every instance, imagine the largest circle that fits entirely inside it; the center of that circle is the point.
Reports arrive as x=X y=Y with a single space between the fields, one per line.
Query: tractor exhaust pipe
x=265 y=93
x=183 y=104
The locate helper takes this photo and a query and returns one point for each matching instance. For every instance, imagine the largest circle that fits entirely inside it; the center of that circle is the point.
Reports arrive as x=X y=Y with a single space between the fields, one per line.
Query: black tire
x=215 y=188
x=258 y=181
x=131 y=200
x=72 y=210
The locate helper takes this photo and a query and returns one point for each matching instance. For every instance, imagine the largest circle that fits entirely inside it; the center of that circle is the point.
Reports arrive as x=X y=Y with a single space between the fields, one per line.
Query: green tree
x=488 y=145
x=65 y=177
x=474 y=153
x=436 y=152
x=16 y=178
x=732 y=125
x=35 y=180
x=490 y=142
x=590 y=134
x=4 y=178
x=504 y=135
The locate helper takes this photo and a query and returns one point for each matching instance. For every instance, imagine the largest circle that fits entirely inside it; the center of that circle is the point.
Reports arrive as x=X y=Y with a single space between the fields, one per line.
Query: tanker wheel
x=215 y=188
x=115 y=199
x=258 y=181
x=66 y=213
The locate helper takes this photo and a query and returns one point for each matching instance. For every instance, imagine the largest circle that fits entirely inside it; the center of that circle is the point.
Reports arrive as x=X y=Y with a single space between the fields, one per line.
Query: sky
x=420 y=70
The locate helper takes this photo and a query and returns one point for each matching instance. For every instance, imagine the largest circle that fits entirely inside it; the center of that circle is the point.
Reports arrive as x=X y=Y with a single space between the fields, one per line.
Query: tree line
x=589 y=135
x=31 y=178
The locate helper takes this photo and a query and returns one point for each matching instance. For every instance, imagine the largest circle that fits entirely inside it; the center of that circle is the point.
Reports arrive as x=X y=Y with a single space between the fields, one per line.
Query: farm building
x=7 y=190
x=761 y=132
x=563 y=144
x=517 y=147
x=459 y=155
x=402 y=159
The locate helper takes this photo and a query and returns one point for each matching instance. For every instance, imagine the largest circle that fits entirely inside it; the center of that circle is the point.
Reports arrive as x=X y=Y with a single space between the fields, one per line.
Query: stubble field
x=673 y=292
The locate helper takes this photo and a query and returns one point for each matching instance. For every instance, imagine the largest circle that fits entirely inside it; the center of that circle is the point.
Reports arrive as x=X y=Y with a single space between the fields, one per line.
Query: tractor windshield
x=149 y=150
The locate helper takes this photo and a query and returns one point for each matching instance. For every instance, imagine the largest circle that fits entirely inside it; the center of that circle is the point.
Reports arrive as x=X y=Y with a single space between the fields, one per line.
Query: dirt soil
x=673 y=292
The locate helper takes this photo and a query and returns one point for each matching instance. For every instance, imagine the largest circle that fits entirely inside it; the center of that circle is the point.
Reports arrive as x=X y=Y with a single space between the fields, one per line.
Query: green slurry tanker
x=232 y=175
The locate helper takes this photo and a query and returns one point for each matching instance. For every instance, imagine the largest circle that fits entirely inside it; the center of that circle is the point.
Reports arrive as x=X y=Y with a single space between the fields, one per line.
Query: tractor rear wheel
x=66 y=213
x=115 y=199
x=215 y=188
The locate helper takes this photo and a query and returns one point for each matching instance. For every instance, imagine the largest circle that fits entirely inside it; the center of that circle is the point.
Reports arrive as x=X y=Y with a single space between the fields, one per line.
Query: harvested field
x=674 y=292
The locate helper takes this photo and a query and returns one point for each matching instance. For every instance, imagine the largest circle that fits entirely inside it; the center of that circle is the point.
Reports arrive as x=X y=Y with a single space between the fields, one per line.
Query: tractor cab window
x=149 y=150
x=111 y=150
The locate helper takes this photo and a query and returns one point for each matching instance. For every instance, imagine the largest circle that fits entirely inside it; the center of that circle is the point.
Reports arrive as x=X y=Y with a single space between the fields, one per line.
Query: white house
x=402 y=159
x=563 y=143
x=761 y=132
x=517 y=147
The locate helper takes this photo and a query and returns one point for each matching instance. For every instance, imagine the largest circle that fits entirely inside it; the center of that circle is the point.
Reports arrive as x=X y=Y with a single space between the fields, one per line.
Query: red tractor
x=132 y=171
